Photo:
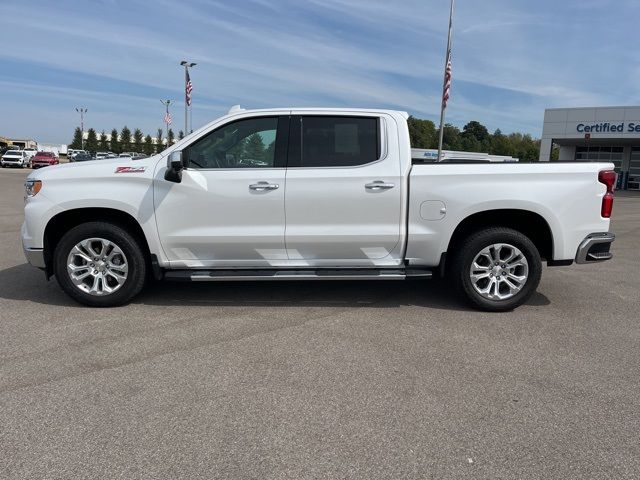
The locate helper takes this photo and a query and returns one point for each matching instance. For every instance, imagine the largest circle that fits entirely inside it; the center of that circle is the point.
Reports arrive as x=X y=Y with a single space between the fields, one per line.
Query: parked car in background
x=129 y=154
x=44 y=159
x=15 y=158
x=6 y=148
x=82 y=157
x=71 y=152
x=31 y=152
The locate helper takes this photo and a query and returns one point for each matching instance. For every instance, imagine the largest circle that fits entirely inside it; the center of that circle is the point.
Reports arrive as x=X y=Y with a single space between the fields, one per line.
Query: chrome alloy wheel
x=97 y=266
x=499 y=271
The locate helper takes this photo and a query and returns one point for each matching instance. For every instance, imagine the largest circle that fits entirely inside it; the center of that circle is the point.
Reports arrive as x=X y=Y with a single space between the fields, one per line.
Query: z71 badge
x=130 y=169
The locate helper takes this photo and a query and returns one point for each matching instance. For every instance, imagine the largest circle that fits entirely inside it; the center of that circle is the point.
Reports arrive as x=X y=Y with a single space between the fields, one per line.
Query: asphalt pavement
x=321 y=380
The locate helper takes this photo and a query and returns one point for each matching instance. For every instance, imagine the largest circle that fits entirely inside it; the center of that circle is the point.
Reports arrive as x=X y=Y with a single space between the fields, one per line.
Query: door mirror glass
x=175 y=161
x=175 y=165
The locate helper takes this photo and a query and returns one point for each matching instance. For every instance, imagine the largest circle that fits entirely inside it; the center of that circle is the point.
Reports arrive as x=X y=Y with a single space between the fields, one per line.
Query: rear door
x=344 y=190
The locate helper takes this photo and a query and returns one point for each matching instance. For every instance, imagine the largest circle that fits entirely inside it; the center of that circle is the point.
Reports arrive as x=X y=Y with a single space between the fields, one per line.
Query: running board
x=302 y=274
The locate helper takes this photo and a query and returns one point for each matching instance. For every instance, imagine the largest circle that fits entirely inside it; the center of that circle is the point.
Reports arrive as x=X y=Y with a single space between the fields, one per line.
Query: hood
x=93 y=168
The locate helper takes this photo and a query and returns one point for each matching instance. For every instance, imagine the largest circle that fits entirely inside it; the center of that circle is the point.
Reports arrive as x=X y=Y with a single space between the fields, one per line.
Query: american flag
x=188 y=89
x=446 y=92
x=167 y=118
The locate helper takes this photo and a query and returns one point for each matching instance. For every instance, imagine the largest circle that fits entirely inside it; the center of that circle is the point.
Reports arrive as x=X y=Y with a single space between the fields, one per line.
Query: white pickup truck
x=312 y=194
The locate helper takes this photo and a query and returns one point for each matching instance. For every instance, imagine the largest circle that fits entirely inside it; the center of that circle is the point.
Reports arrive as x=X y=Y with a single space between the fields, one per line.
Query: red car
x=44 y=159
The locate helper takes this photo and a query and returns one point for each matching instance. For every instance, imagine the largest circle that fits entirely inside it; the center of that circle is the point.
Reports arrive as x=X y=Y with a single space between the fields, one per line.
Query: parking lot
x=321 y=380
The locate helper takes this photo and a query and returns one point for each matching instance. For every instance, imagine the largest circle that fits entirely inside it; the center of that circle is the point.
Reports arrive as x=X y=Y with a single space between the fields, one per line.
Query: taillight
x=608 y=177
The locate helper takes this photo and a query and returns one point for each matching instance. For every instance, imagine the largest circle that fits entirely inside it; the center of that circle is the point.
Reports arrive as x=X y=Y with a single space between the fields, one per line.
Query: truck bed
x=567 y=195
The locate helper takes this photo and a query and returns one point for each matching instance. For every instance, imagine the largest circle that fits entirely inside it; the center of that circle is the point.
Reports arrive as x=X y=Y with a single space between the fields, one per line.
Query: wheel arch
x=62 y=222
x=531 y=224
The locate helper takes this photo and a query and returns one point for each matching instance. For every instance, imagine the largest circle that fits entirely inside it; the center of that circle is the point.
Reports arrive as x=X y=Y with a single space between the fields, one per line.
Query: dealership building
x=607 y=134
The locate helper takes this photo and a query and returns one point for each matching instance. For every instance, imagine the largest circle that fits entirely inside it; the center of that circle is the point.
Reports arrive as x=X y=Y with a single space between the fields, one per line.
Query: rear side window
x=337 y=141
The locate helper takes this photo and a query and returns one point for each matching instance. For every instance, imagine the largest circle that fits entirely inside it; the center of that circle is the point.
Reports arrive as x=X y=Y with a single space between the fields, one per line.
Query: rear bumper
x=595 y=248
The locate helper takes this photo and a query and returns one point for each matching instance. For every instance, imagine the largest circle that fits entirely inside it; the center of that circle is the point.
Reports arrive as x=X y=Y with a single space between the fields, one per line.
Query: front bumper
x=35 y=256
x=595 y=248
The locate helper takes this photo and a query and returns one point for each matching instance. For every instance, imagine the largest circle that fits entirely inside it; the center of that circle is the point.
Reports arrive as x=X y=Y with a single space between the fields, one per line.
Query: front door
x=344 y=192
x=228 y=210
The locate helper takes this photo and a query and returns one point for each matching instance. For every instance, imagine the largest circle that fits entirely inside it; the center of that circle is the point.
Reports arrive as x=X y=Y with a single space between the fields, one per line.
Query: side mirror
x=175 y=165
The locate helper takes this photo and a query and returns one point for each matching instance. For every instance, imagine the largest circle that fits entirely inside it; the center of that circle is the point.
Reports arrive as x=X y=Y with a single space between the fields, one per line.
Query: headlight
x=32 y=187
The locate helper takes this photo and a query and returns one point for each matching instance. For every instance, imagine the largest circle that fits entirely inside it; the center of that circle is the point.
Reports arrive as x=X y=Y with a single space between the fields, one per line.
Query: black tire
x=466 y=251
x=129 y=245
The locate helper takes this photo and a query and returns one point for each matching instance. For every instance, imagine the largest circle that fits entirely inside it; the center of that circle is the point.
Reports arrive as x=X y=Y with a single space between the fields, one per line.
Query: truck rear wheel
x=99 y=264
x=497 y=269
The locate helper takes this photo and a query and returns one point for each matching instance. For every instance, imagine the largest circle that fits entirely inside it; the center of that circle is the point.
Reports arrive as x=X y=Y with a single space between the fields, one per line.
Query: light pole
x=167 y=116
x=81 y=111
x=187 y=92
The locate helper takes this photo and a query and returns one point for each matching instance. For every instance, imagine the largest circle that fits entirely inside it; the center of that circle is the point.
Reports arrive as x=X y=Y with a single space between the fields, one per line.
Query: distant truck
x=448 y=156
x=313 y=194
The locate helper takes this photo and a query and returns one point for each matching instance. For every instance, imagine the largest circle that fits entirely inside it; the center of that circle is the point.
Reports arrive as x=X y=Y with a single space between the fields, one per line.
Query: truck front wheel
x=99 y=264
x=496 y=269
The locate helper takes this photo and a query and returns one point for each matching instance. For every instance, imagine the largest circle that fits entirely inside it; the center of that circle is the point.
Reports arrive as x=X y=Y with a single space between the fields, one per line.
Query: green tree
x=180 y=135
x=159 y=146
x=114 y=143
x=254 y=148
x=125 y=139
x=76 y=143
x=499 y=144
x=270 y=152
x=422 y=133
x=170 y=138
x=104 y=143
x=451 y=138
x=147 y=147
x=137 y=140
x=92 y=141
x=475 y=137
x=476 y=130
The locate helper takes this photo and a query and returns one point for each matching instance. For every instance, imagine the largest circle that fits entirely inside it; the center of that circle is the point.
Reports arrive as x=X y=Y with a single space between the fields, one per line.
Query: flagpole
x=186 y=74
x=187 y=95
x=446 y=63
x=166 y=103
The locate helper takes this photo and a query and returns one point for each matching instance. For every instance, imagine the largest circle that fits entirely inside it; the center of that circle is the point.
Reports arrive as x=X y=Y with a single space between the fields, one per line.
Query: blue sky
x=512 y=59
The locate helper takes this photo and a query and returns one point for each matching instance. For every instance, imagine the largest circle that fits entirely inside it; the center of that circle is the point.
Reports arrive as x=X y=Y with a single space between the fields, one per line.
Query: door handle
x=379 y=185
x=262 y=186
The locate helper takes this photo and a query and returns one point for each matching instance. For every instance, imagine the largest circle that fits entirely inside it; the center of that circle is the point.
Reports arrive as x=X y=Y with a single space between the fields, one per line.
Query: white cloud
x=512 y=58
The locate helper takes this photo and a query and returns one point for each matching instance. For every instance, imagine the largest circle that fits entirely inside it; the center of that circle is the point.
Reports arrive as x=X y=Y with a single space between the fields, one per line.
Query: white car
x=31 y=152
x=312 y=194
x=15 y=158
x=71 y=153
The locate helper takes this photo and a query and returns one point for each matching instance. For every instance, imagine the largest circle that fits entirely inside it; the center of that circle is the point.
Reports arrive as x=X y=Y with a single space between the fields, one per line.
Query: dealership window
x=634 y=164
x=601 y=154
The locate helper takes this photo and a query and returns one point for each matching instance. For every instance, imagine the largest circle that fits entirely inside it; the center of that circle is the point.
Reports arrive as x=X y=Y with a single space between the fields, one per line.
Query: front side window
x=339 y=141
x=249 y=143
